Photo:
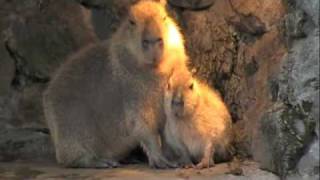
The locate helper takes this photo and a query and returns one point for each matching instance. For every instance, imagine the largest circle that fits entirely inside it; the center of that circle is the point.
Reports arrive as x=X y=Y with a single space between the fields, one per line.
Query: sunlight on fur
x=174 y=55
x=174 y=37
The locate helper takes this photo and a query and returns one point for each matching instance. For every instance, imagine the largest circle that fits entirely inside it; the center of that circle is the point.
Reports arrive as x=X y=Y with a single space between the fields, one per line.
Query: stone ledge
x=21 y=170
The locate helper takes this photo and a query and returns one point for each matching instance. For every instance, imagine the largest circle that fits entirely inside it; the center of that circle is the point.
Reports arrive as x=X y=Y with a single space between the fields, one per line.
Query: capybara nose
x=160 y=42
x=145 y=44
x=177 y=102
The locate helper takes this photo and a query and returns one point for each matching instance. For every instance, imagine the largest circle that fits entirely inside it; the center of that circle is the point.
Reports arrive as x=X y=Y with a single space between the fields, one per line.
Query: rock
x=36 y=37
x=246 y=23
x=192 y=4
x=41 y=34
x=7 y=71
x=277 y=146
x=29 y=109
x=290 y=127
x=106 y=19
x=8 y=102
x=8 y=110
x=96 y=3
x=26 y=144
x=212 y=56
x=294 y=24
x=106 y=4
x=268 y=12
x=311 y=7
x=308 y=166
x=304 y=86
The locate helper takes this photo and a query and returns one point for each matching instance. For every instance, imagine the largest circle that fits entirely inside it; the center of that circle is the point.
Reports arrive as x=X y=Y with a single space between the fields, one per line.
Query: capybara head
x=181 y=95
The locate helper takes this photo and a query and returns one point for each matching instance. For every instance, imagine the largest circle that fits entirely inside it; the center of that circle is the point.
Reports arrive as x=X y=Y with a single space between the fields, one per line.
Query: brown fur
x=198 y=122
x=108 y=98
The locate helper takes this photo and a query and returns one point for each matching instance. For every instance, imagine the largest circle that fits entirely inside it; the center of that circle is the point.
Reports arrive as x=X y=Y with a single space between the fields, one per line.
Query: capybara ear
x=131 y=18
x=191 y=85
x=171 y=73
x=168 y=85
x=123 y=7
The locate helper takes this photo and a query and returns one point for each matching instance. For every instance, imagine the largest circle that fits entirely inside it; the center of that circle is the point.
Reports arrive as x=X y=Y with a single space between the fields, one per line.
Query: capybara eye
x=145 y=44
x=132 y=22
x=168 y=86
x=191 y=86
x=160 y=41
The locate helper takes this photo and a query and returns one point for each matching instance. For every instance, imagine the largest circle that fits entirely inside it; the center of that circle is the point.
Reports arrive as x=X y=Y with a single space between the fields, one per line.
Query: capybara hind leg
x=155 y=156
x=74 y=155
x=95 y=163
x=207 y=160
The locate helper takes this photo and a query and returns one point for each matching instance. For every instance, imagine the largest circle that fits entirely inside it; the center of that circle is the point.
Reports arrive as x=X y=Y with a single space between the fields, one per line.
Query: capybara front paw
x=162 y=164
x=105 y=163
x=188 y=166
x=205 y=164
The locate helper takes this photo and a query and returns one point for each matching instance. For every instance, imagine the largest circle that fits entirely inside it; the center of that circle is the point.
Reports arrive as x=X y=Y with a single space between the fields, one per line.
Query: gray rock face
x=308 y=166
x=7 y=71
x=311 y=7
x=35 y=37
x=35 y=40
x=290 y=127
x=26 y=144
x=305 y=85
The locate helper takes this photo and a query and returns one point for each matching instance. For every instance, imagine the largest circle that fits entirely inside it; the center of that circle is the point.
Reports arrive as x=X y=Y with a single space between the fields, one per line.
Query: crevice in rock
x=247 y=25
x=195 y=5
x=94 y=4
x=41 y=130
x=297 y=23
x=43 y=5
x=25 y=144
x=23 y=75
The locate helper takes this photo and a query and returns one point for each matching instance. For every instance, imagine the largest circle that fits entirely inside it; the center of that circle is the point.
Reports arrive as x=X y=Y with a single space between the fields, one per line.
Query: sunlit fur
x=174 y=53
x=149 y=21
x=199 y=124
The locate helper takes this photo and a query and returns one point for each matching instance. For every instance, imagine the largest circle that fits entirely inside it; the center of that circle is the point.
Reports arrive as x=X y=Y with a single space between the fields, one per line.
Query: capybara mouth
x=179 y=114
x=153 y=65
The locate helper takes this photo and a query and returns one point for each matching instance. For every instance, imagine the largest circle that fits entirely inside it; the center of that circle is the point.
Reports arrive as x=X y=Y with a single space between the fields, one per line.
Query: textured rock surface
x=27 y=143
x=35 y=37
x=7 y=70
x=293 y=119
x=263 y=56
